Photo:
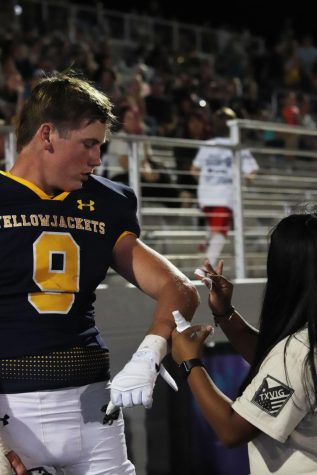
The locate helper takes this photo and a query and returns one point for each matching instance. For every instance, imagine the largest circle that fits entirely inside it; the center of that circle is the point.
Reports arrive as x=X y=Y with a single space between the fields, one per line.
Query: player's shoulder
x=105 y=186
x=4 y=180
x=9 y=186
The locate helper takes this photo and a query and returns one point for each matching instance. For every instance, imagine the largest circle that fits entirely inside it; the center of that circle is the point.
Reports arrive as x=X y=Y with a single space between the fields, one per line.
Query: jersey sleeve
x=275 y=401
x=129 y=220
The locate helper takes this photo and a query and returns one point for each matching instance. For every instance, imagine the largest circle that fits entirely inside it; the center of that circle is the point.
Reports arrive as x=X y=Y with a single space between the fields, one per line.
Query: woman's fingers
x=218 y=269
x=199 y=331
x=188 y=344
x=210 y=275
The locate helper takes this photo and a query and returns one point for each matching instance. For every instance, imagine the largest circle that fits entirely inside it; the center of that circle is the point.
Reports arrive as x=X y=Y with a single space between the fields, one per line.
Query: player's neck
x=28 y=169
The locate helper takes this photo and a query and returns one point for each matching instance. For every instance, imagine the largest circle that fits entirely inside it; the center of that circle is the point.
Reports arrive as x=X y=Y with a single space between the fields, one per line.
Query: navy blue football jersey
x=53 y=253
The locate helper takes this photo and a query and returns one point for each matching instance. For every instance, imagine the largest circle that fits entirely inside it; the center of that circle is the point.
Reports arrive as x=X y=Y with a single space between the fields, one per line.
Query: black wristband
x=187 y=365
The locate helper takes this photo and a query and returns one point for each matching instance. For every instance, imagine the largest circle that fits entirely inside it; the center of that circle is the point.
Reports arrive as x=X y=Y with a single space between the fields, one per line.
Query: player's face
x=74 y=156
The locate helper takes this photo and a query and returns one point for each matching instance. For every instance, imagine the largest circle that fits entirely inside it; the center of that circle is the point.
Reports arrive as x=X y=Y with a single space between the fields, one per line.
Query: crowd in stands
x=169 y=90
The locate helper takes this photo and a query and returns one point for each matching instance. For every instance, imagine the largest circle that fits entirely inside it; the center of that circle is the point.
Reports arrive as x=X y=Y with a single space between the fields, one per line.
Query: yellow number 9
x=58 y=282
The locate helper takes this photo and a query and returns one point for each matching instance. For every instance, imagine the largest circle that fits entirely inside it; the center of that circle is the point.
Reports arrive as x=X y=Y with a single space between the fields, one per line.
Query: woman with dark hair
x=275 y=411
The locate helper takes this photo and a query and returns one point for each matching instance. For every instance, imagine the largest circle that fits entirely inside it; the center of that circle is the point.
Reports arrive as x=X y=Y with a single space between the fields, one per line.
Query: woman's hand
x=189 y=344
x=220 y=289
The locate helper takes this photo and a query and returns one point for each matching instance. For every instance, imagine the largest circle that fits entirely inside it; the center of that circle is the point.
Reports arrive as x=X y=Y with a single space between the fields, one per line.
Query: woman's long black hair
x=290 y=297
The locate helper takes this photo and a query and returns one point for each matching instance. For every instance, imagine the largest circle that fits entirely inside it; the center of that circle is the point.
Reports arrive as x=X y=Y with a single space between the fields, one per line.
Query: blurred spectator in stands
x=271 y=138
x=135 y=95
x=307 y=54
x=106 y=79
x=196 y=127
x=251 y=104
x=292 y=67
x=284 y=67
x=82 y=57
x=290 y=109
x=11 y=91
x=306 y=118
x=156 y=179
x=22 y=60
x=213 y=168
x=215 y=93
x=232 y=60
x=116 y=158
x=306 y=142
x=290 y=115
x=160 y=108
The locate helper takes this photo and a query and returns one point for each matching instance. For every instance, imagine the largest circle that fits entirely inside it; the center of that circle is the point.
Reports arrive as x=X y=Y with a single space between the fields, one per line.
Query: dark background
x=260 y=18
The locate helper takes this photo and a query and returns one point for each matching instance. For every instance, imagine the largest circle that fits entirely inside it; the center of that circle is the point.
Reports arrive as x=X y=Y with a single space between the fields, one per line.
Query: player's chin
x=77 y=183
x=73 y=186
x=84 y=178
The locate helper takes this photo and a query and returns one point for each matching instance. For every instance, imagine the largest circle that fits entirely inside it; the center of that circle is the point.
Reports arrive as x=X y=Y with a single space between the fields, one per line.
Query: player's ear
x=45 y=134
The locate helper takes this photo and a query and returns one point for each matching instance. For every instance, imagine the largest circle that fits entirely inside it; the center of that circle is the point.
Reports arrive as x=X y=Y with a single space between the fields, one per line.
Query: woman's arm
x=232 y=429
x=242 y=336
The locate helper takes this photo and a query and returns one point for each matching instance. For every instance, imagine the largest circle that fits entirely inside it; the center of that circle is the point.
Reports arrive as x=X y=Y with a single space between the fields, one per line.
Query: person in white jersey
x=213 y=168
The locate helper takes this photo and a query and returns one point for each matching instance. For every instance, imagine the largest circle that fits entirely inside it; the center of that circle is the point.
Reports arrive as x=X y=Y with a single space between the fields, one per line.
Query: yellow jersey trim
x=124 y=234
x=35 y=188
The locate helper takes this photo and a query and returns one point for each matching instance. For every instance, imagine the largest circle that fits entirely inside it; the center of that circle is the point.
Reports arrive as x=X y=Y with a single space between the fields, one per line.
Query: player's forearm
x=241 y=335
x=181 y=296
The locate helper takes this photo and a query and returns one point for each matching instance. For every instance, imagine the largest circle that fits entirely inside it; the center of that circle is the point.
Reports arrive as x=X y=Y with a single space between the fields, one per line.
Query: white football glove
x=134 y=384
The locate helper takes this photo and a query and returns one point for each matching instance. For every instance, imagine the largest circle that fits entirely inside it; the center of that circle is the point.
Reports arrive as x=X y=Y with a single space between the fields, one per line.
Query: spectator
x=290 y=114
x=307 y=142
x=160 y=108
x=116 y=158
x=196 y=127
x=213 y=168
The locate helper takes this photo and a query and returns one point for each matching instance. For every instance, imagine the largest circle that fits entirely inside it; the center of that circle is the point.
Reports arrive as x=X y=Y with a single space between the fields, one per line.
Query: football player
x=61 y=228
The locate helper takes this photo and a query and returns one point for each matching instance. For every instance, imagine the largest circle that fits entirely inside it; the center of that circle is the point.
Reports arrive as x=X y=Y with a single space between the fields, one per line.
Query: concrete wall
x=123 y=314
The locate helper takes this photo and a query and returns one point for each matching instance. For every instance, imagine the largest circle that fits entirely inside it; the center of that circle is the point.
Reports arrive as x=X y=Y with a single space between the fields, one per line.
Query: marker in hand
x=181 y=323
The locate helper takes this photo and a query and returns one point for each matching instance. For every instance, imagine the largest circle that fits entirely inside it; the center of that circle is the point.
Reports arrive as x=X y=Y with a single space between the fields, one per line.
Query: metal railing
x=8 y=154
x=129 y=29
x=285 y=181
x=277 y=190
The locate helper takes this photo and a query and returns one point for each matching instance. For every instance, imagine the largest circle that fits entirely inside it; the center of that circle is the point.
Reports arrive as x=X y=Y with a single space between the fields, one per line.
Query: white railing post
x=134 y=174
x=9 y=149
x=239 y=245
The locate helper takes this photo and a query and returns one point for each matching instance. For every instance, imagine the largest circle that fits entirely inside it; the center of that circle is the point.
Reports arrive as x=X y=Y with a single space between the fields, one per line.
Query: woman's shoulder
x=295 y=344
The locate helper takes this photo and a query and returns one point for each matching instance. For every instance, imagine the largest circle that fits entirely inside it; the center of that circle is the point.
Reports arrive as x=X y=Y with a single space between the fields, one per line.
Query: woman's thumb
x=201 y=332
x=206 y=331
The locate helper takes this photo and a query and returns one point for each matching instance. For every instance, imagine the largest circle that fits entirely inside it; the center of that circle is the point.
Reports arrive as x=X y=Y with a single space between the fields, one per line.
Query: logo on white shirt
x=272 y=396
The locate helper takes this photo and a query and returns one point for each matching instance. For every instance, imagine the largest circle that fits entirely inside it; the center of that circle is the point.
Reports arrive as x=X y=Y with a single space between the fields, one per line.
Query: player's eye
x=89 y=143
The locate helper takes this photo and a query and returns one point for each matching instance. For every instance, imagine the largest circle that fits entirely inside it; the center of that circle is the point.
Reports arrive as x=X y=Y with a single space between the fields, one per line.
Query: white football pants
x=63 y=429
